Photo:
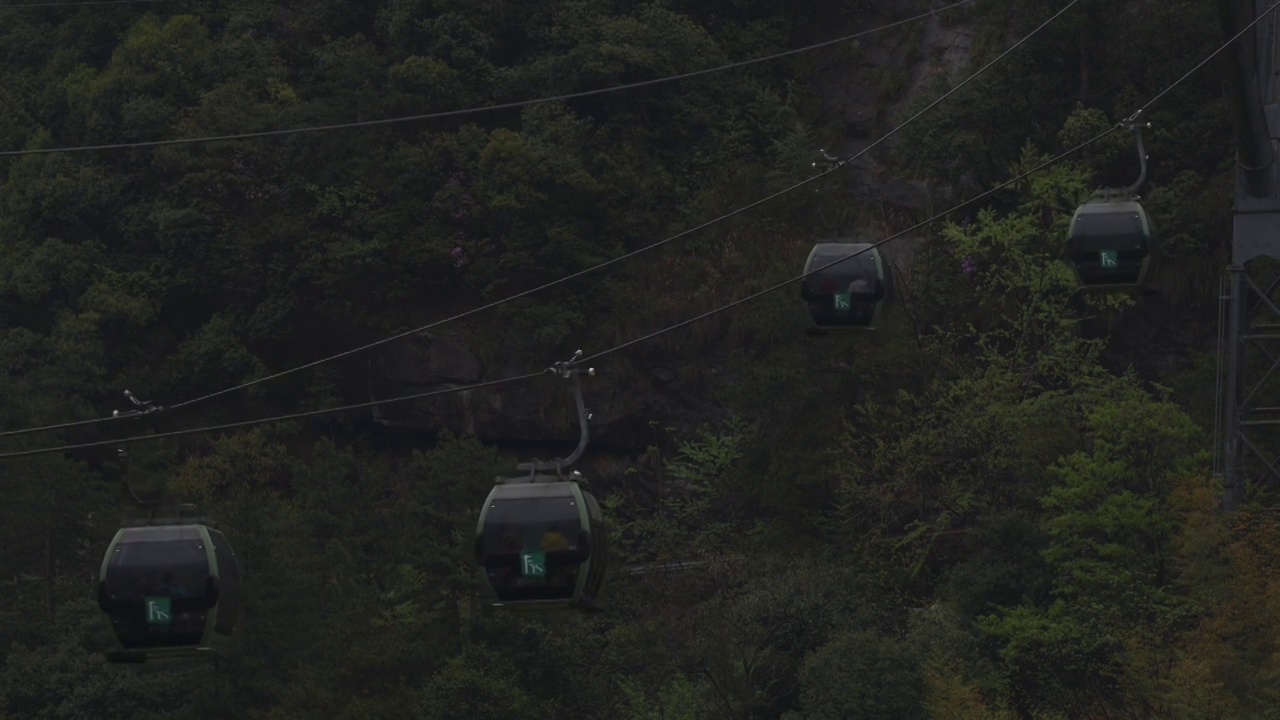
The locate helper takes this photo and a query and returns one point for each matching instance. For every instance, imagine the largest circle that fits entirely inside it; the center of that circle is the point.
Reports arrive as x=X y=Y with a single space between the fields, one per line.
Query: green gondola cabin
x=844 y=292
x=541 y=544
x=1110 y=245
x=169 y=590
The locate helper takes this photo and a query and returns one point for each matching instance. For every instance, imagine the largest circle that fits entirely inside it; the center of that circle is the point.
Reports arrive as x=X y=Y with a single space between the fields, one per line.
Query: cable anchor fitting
x=565 y=369
x=141 y=407
x=1131 y=122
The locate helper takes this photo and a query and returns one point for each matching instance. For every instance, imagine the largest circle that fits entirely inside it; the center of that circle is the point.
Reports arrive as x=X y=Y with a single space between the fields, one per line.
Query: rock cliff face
x=854 y=84
x=534 y=413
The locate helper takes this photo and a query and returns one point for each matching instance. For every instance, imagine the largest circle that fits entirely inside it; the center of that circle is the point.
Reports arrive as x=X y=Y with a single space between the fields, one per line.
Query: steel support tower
x=1249 y=344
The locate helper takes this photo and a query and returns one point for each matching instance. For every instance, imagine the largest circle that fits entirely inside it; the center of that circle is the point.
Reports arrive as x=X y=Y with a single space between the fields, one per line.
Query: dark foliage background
x=997 y=506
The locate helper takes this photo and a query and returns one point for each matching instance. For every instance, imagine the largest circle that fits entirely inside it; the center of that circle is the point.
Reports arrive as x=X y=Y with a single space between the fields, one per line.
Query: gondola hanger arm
x=1133 y=124
x=567 y=369
x=141 y=407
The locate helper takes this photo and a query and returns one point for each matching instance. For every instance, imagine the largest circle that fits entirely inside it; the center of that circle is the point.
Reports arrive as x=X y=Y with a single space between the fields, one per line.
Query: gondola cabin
x=169 y=591
x=541 y=544
x=849 y=295
x=1110 y=245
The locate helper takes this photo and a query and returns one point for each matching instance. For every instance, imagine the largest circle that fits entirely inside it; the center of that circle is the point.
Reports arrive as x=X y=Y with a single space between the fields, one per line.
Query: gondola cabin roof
x=535 y=489
x=1105 y=207
x=544 y=479
x=161 y=533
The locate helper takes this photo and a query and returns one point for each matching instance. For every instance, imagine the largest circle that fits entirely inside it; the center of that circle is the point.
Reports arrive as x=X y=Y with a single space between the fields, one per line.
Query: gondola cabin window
x=532 y=547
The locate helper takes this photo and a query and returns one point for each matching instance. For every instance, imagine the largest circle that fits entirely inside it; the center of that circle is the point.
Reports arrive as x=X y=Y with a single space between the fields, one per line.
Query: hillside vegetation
x=999 y=505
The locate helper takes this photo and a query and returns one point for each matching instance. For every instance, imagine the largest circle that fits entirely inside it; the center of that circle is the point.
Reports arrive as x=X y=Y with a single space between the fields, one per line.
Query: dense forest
x=999 y=504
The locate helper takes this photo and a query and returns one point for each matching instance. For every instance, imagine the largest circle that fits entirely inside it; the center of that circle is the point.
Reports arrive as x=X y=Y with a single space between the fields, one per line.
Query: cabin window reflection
x=175 y=568
x=156 y=588
x=532 y=548
x=846 y=290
